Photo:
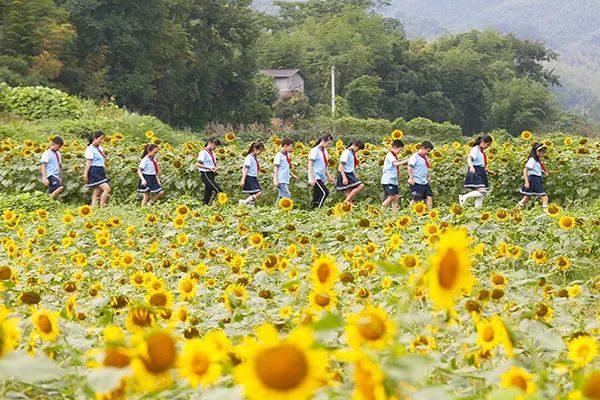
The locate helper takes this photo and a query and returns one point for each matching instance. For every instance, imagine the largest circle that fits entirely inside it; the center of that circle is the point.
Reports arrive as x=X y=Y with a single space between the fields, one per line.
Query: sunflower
x=582 y=350
x=85 y=211
x=234 y=296
x=371 y=327
x=187 y=289
x=323 y=300
x=160 y=298
x=46 y=324
x=502 y=215
x=67 y=218
x=9 y=332
x=151 y=219
x=278 y=369
x=539 y=256
x=553 y=210
x=449 y=271
x=492 y=333
x=543 y=311
x=591 y=386
x=404 y=222
x=324 y=272
x=410 y=261
x=200 y=362
x=397 y=134
x=285 y=204
x=518 y=378
x=485 y=217
x=222 y=198
x=526 y=135
x=562 y=263
x=156 y=355
x=182 y=210
x=434 y=214
x=179 y=222
x=256 y=239
x=566 y=222
x=419 y=208
x=368 y=380
x=230 y=137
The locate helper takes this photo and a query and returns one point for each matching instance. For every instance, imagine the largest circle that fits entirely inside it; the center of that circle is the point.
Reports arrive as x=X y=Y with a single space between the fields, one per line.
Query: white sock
x=473 y=193
x=479 y=202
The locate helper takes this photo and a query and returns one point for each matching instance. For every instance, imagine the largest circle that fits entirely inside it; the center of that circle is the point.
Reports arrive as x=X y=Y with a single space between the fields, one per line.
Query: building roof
x=281 y=73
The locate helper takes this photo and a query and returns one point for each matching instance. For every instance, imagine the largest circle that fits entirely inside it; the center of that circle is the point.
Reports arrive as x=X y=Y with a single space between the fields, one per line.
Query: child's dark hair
x=325 y=138
x=213 y=140
x=286 y=141
x=427 y=145
x=398 y=144
x=58 y=140
x=358 y=143
x=484 y=139
x=255 y=146
x=95 y=136
x=534 y=150
x=149 y=147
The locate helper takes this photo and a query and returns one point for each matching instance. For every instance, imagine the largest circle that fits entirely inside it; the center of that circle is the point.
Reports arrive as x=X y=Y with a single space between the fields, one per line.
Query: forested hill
x=570 y=28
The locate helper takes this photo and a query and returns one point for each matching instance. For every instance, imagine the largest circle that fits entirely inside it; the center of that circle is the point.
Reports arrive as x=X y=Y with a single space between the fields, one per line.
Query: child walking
x=207 y=167
x=250 y=171
x=52 y=168
x=282 y=169
x=149 y=184
x=477 y=170
x=532 y=175
x=389 y=175
x=419 y=177
x=318 y=171
x=94 y=174
x=346 y=178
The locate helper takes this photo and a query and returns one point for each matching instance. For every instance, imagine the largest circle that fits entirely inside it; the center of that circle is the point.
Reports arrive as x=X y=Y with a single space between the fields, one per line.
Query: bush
x=425 y=129
x=370 y=127
x=38 y=102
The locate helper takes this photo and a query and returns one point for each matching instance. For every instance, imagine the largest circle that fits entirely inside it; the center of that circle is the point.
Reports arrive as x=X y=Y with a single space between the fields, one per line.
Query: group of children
x=417 y=165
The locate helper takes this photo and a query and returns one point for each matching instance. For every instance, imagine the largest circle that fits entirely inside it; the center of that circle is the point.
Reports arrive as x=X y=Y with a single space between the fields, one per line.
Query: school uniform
x=53 y=161
x=208 y=160
x=479 y=179
x=350 y=162
x=389 y=175
x=251 y=184
x=283 y=162
x=96 y=173
x=421 y=189
x=534 y=172
x=318 y=155
x=149 y=168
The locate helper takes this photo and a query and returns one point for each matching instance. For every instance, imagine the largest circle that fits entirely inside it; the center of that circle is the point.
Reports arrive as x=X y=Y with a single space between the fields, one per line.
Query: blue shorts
x=151 y=186
x=390 y=190
x=54 y=183
x=420 y=192
x=283 y=190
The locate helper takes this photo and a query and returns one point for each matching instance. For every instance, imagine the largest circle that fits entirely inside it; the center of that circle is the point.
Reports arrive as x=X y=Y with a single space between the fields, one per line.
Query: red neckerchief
x=395 y=155
x=100 y=151
x=58 y=161
x=397 y=166
x=484 y=156
x=424 y=158
x=324 y=156
x=543 y=166
x=356 y=161
x=155 y=164
x=211 y=156
x=257 y=163
x=288 y=158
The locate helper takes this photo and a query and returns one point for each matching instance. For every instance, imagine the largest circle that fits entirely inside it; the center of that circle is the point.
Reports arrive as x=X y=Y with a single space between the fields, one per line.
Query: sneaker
x=241 y=202
x=461 y=199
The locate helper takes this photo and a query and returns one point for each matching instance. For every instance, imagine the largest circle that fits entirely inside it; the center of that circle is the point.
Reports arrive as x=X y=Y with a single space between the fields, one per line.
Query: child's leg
x=353 y=192
x=395 y=199
x=105 y=188
x=473 y=193
x=388 y=200
x=429 y=201
x=96 y=195
x=145 y=198
x=156 y=197
x=524 y=200
x=479 y=199
x=544 y=202
x=55 y=194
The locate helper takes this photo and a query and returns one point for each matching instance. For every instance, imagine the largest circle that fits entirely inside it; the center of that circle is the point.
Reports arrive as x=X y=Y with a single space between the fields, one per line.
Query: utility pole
x=333 y=96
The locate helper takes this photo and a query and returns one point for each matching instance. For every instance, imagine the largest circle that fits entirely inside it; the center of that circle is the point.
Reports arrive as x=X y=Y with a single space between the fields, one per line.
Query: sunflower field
x=186 y=301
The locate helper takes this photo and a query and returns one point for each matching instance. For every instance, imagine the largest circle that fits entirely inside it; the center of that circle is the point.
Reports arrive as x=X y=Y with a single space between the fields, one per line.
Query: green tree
x=364 y=96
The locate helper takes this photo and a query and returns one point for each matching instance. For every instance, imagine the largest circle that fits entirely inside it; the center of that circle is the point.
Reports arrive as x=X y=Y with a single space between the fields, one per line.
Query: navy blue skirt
x=478 y=180
x=353 y=181
x=536 y=188
x=251 y=185
x=151 y=186
x=96 y=176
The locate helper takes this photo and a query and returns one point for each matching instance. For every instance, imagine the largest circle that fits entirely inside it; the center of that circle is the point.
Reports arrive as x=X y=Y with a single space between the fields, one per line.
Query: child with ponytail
x=148 y=169
x=532 y=175
x=477 y=170
x=250 y=171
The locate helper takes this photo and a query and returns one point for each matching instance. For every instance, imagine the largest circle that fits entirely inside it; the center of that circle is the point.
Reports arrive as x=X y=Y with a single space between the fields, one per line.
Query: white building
x=288 y=81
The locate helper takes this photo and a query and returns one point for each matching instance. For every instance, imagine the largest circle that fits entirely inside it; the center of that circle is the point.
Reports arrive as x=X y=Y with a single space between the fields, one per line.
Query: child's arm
x=343 y=173
x=311 y=172
x=411 y=178
x=88 y=164
x=401 y=162
x=44 y=176
x=470 y=163
x=244 y=174
x=139 y=172
x=276 y=175
x=526 y=177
